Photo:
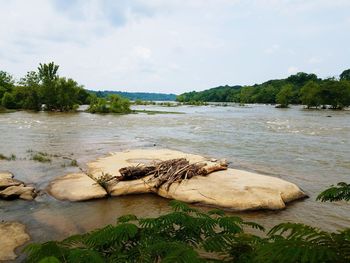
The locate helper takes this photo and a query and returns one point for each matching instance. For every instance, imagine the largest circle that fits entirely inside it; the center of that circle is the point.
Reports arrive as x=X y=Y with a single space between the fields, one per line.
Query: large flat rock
x=76 y=187
x=12 y=235
x=231 y=188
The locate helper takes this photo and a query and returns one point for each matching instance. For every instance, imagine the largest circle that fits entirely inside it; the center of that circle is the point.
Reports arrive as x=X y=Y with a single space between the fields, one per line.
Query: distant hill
x=149 y=96
x=218 y=94
x=300 y=88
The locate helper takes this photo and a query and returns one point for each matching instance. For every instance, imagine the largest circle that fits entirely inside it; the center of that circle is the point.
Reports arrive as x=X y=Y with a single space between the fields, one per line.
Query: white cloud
x=315 y=60
x=173 y=46
x=273 y=49
x=292 y=70
x=142 y=52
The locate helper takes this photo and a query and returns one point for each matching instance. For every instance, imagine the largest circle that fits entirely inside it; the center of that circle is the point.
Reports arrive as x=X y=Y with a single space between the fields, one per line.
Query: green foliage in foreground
x=188 y=235
x=336 y=193
x=300 y=88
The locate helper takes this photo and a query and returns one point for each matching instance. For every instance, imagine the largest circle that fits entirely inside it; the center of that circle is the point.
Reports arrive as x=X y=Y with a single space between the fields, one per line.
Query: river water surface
x=308 y=147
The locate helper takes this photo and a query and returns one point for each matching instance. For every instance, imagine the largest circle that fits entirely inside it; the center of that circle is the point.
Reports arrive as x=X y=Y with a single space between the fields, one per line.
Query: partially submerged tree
x=283 y=98
x=310 y=94
x=42 y=87
x=114 y=104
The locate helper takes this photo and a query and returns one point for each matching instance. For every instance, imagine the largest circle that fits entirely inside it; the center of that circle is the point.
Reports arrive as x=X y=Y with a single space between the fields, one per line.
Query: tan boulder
x=11 y=188
x=7 y=182
x=76 y=187
x=232 y=188
x=5 y=175
x=21 y=191
x=12 y=235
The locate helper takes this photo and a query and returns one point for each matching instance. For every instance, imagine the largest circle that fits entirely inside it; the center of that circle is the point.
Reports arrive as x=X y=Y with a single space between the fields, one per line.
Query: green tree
x=48 y=72
x=28 y=93
x=310 y=94
x=284 y=96
x=66 y=90
x=247 y=94
x=335 y=93
x=8 y=101
x=98 y=105
x=119 y=104
x=345 y=75
x=301 y=78
x=48 y=78
x=6 y=83
x=31 y=79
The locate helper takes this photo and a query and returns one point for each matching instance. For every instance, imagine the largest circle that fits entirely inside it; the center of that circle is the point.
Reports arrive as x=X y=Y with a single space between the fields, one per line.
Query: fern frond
x=216 y=212
x=112 y=235
x=335 y=193
x=84 y=256
x=299 y=231
x=231 y=224
x=295 y=250
x=179 y=206
x=126 y=218
x=50 y=260
x=38 y=252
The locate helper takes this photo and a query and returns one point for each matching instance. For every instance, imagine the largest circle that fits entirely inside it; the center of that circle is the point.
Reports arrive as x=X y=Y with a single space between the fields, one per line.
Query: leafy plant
x=189 y=235
x=12 y=157
x=41 y=157
x=335 y=193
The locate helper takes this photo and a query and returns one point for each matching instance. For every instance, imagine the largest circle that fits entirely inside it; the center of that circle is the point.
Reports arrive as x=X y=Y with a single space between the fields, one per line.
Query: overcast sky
x=175 y=45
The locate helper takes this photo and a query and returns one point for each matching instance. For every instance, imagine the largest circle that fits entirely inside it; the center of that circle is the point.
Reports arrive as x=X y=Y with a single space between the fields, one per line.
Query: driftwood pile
x=170 y=171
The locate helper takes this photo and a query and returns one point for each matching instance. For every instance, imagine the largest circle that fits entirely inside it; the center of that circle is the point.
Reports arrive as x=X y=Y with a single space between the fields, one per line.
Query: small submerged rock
x=12 y=235
x=11 y=188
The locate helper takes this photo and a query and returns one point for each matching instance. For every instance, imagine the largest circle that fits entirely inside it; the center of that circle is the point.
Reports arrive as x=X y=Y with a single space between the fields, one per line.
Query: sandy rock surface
x=5 y=175
x=75 y=187
x=12 y=235
x=231 y=188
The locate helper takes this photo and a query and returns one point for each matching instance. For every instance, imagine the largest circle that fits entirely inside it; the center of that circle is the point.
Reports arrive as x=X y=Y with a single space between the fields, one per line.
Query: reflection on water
x=305 y=147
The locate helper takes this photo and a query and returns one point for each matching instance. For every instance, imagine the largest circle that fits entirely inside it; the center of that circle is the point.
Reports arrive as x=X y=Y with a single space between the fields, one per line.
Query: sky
x=174 y=46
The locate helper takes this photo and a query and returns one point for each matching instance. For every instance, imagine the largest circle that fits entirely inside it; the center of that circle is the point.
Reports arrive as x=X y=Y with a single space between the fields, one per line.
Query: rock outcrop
x=11 y=188
x=76 y=187
x=231 y=188
x=12 y=235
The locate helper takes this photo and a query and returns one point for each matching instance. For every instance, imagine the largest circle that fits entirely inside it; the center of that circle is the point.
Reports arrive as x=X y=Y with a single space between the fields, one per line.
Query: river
x=308 y=147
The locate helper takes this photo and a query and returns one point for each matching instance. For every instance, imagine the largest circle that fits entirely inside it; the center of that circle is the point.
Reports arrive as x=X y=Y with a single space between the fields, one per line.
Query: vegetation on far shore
x=190 y=235
x=301 y=88
x=144 y=96
x=41 y=87
x=12 y=157
x=44 y=89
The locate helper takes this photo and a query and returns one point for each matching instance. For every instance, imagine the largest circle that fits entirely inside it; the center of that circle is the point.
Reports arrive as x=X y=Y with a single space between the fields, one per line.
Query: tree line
x=42 y=89
x=145 y=96
x=300 y=88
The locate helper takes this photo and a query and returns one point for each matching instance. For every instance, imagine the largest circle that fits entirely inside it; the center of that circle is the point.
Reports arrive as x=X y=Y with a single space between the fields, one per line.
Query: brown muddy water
x=306 y=147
